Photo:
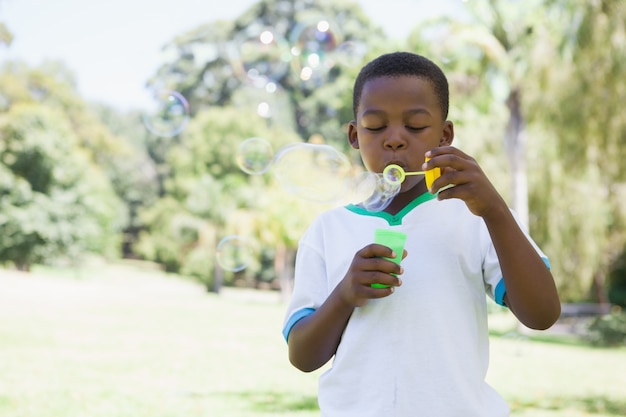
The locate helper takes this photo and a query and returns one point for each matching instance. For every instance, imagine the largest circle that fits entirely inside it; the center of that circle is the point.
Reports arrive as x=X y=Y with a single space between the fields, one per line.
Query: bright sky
x=113 y=46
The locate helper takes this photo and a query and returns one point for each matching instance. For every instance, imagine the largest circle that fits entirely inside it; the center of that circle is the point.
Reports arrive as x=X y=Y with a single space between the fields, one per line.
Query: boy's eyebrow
x=419 y=110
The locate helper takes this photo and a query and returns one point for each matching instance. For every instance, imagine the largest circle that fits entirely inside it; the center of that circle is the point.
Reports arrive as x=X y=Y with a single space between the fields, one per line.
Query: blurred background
x=177 y=151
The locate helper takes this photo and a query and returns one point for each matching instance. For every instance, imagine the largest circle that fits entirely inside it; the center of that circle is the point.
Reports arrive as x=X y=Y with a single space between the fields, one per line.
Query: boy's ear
x=353 y=137
x=447 y=136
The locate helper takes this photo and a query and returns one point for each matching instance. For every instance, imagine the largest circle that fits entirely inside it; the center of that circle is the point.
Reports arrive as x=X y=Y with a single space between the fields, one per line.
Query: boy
x=420 y=346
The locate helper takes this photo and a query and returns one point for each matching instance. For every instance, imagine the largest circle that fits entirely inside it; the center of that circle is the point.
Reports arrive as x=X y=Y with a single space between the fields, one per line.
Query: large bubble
x=318 y=173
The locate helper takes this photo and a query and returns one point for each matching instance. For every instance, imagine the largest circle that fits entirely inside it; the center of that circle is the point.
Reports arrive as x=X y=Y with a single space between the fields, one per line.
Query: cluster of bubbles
x=261 y=56
x=315 y=172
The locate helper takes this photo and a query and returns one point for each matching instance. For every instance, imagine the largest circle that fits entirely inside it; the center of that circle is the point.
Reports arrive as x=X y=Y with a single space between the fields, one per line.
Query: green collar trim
x=393 y=219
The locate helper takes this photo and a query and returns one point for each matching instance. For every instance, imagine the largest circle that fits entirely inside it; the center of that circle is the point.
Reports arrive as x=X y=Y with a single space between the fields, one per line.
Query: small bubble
x=167 y=114
x=233 y=253
x=254 y=156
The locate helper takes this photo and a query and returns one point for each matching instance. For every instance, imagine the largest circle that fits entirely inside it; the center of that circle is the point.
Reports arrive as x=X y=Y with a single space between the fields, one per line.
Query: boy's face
x=398 y=120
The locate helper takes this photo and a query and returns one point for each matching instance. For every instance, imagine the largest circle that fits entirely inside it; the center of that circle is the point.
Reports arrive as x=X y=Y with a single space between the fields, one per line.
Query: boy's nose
x=394 y=141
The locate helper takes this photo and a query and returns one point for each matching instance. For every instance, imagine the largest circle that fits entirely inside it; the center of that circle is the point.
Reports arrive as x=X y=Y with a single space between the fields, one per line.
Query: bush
x=609 y=330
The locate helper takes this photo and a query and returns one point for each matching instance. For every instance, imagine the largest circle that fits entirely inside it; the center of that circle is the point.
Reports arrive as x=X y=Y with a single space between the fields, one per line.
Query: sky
x=113 y=47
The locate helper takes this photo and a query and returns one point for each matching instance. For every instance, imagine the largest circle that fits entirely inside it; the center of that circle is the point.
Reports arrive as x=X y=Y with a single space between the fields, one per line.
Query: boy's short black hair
x=396 y=64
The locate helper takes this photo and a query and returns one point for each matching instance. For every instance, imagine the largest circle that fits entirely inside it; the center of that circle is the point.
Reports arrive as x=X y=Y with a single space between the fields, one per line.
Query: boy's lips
x=399 y=163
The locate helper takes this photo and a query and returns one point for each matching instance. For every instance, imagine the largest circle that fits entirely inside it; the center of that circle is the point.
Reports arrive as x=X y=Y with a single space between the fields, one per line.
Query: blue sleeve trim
x=499 y=293
x=295 y=317
x=501 y=288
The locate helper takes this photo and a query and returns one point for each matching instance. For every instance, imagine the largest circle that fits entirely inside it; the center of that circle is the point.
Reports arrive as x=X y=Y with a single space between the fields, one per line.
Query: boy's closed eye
x=375 y=129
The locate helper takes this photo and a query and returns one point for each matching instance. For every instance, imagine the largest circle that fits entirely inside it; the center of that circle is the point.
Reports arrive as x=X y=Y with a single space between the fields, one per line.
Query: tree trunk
x=515 y=145
x=283 y=265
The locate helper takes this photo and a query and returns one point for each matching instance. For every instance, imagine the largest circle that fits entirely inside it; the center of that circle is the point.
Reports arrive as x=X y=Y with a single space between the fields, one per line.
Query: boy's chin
x=413 y=185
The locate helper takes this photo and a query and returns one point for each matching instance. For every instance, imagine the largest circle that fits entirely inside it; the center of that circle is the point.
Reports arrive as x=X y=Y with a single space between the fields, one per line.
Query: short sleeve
x=492 y=273
x=310 y=283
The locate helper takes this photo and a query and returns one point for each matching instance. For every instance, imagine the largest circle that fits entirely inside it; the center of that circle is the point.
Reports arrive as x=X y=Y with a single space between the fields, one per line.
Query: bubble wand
x=395 y=174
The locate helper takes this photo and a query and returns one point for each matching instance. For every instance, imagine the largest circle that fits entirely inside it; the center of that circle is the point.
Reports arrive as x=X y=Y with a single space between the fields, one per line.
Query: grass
x=122 y=341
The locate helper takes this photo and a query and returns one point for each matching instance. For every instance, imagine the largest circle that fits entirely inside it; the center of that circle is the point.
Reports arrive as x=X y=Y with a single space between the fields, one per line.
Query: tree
x=54 y=203
x=581 y=166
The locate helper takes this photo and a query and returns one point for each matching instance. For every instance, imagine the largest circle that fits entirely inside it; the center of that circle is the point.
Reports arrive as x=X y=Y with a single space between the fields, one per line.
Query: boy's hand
x=470 y=183
x=368 y=267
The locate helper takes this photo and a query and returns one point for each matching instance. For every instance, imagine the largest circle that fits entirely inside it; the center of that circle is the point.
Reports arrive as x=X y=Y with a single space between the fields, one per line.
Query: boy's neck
x=404 y=198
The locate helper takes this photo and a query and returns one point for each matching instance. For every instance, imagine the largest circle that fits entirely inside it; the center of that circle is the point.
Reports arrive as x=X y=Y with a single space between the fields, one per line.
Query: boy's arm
x=314 y=339
x=530 y=290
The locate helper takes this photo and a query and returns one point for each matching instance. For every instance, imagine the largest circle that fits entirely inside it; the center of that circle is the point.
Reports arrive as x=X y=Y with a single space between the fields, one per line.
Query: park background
x=113 y=299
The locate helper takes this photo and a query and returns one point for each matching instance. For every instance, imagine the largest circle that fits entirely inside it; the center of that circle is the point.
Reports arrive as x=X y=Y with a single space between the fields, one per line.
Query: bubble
x=382 y=195
x=312 y=44
x=233 y=253
x=167 y=113
x=254 y=156
x=314 y=172
x=260 y=52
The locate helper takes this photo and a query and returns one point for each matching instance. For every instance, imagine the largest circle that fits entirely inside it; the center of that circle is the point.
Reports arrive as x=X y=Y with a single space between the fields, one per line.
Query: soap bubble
x=313 y=42
x=382 y=195
x=233 y=253
x=167 y=113
x=260 y=52
x=254 y=156
x=314 y=172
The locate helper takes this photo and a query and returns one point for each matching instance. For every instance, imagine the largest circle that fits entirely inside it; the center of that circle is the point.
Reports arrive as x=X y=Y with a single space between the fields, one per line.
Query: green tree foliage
x=53 y=202
x=134 y=174
x=579 y=183
x=45 y=99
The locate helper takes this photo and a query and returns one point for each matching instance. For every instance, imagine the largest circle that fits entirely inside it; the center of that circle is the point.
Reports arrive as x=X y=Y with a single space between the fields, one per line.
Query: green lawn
x=119 y=341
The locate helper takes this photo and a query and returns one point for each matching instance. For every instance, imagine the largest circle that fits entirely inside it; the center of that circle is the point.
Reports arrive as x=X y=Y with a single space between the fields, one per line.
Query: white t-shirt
x=424 y=350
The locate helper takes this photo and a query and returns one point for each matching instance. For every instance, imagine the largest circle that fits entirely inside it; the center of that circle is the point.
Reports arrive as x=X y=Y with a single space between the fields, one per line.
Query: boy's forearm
x=530 y=290
x=314 y=339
